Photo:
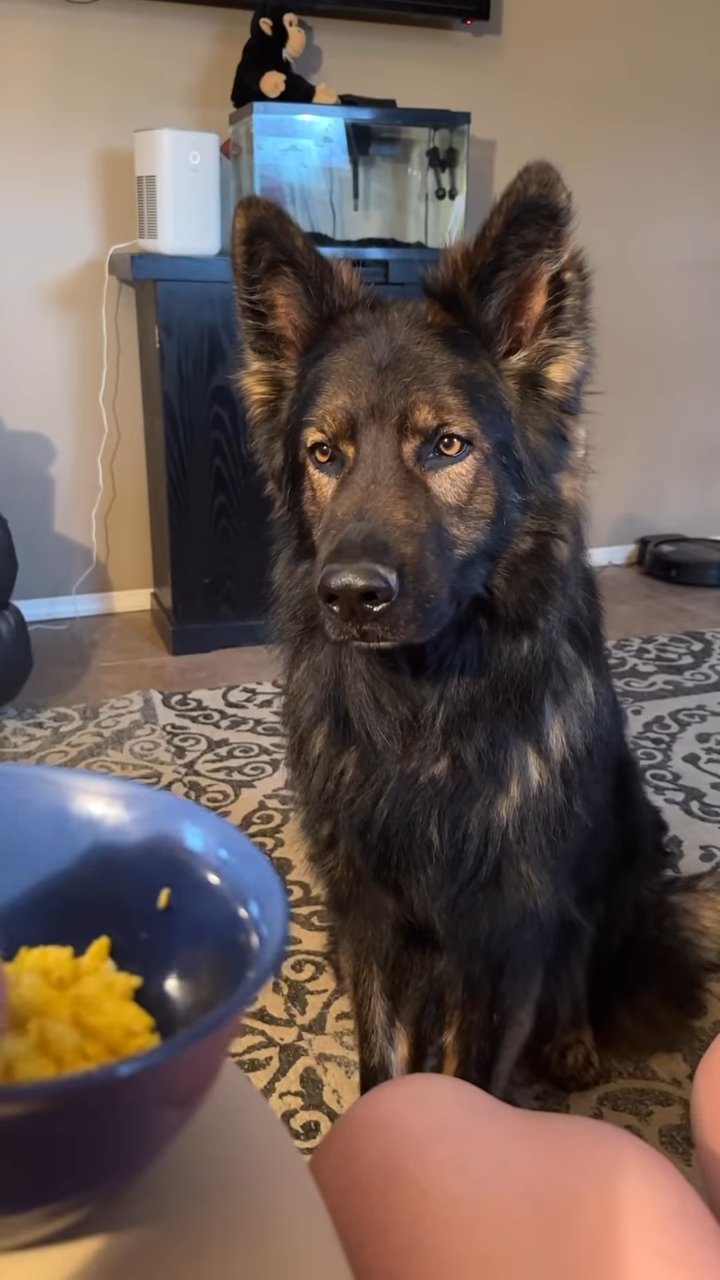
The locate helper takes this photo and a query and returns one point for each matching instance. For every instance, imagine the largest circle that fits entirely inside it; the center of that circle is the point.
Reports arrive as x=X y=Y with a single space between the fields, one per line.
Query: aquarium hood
x=467 y=11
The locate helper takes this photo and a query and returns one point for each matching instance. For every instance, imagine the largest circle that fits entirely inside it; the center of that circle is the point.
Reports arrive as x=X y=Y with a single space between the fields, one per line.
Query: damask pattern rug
x=225 y=749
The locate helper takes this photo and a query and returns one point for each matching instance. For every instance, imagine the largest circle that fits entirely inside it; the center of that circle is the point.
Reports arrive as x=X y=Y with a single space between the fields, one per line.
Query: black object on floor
x=16 y=659
x=690 y=562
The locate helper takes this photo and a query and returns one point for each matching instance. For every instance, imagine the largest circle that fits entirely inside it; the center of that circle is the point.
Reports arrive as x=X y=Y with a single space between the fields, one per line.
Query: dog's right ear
x=287 y=296
x=523 y=288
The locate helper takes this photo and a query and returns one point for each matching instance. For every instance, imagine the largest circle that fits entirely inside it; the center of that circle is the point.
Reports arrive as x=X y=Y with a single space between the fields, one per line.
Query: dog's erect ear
x=287 y=296
x=287 y=293
x=522 y=286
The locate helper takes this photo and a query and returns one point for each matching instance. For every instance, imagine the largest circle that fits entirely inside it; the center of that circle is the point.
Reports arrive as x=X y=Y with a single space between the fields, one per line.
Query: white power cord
x=63 y=626
x=127 y=244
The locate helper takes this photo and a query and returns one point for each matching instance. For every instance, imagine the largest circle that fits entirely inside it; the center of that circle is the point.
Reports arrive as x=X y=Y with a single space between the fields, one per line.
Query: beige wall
x=623 y=94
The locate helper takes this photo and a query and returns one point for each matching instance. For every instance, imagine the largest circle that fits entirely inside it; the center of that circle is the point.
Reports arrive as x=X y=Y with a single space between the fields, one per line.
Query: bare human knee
x=399 y=1118
x=427 y=1176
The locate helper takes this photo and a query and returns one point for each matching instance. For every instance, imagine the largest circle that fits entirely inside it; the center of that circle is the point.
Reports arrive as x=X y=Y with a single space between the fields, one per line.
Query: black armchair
x=15 y=649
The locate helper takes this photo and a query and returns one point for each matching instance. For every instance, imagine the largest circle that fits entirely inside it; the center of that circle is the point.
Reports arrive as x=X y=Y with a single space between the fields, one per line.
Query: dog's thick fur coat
x=497 y=880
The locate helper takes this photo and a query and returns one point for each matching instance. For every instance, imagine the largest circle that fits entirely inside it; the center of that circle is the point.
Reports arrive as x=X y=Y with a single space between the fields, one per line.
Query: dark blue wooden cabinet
x=209 y=517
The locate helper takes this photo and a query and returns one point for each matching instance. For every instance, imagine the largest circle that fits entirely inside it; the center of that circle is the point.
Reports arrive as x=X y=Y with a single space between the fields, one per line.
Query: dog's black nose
x=357 y=592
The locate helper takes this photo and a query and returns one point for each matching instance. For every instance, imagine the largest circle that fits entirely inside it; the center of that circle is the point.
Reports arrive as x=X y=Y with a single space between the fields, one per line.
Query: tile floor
x=96 y=658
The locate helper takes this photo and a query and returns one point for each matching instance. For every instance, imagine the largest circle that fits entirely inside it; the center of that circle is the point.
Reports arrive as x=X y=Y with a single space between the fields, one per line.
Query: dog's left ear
x=288 y=296
x=522 y=287
x=287 y=293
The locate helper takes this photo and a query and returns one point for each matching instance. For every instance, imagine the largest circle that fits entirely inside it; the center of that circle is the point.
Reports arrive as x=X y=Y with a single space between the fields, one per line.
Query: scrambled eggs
x=69 y=1012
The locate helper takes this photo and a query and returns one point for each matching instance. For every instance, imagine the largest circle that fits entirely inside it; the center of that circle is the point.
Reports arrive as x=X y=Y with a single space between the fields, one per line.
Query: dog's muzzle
x=358 y=593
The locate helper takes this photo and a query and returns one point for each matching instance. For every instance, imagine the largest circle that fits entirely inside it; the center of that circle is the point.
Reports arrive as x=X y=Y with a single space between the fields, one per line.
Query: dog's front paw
x=572 y=1062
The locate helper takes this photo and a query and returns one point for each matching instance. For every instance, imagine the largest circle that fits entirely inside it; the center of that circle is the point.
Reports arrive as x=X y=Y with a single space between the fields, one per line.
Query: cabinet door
x=218 y=515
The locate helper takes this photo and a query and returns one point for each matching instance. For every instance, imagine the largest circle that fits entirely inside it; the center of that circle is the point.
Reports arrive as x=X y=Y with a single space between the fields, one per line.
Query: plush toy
x=265 y=69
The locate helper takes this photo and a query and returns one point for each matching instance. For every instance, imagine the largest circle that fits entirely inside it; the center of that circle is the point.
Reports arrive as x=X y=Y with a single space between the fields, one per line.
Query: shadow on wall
x=494 y=26
x=50 y=562
x=79 y=295
x=310 y=65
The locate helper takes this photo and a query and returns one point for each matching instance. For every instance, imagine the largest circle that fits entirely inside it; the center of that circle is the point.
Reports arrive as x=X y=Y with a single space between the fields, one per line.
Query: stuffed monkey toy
x=265 y=69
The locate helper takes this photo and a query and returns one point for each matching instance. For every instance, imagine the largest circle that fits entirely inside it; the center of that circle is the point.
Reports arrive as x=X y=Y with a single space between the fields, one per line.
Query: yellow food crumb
x=68 y=1012
x=163 y=899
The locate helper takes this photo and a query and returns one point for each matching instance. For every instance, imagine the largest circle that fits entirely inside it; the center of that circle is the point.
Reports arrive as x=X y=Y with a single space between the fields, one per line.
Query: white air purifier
x=177 y=183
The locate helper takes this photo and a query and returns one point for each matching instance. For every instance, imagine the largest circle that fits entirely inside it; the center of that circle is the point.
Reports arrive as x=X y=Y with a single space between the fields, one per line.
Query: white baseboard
x=600 y=556
x=85 y=605
x=55 y=608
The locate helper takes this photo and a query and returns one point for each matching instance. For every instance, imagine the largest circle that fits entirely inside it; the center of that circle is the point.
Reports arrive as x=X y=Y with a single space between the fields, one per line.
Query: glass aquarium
x=390 y=177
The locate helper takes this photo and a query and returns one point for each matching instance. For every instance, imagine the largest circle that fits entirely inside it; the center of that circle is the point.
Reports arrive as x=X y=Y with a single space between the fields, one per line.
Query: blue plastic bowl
x=81 y=855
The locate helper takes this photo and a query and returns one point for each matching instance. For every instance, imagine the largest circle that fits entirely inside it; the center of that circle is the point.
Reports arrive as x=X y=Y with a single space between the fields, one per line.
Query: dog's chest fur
x=442 y=785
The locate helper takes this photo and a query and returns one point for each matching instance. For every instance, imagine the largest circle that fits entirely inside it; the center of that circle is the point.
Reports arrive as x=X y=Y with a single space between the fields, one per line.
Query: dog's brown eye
x=322 y=453
x=449 y=446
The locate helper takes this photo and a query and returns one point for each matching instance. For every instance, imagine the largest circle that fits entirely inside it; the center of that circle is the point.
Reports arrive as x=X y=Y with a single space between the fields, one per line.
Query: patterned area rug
x=224 y=748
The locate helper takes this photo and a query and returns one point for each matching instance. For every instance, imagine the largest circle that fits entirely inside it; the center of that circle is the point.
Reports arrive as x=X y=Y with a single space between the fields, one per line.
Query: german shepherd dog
x=497 y=881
